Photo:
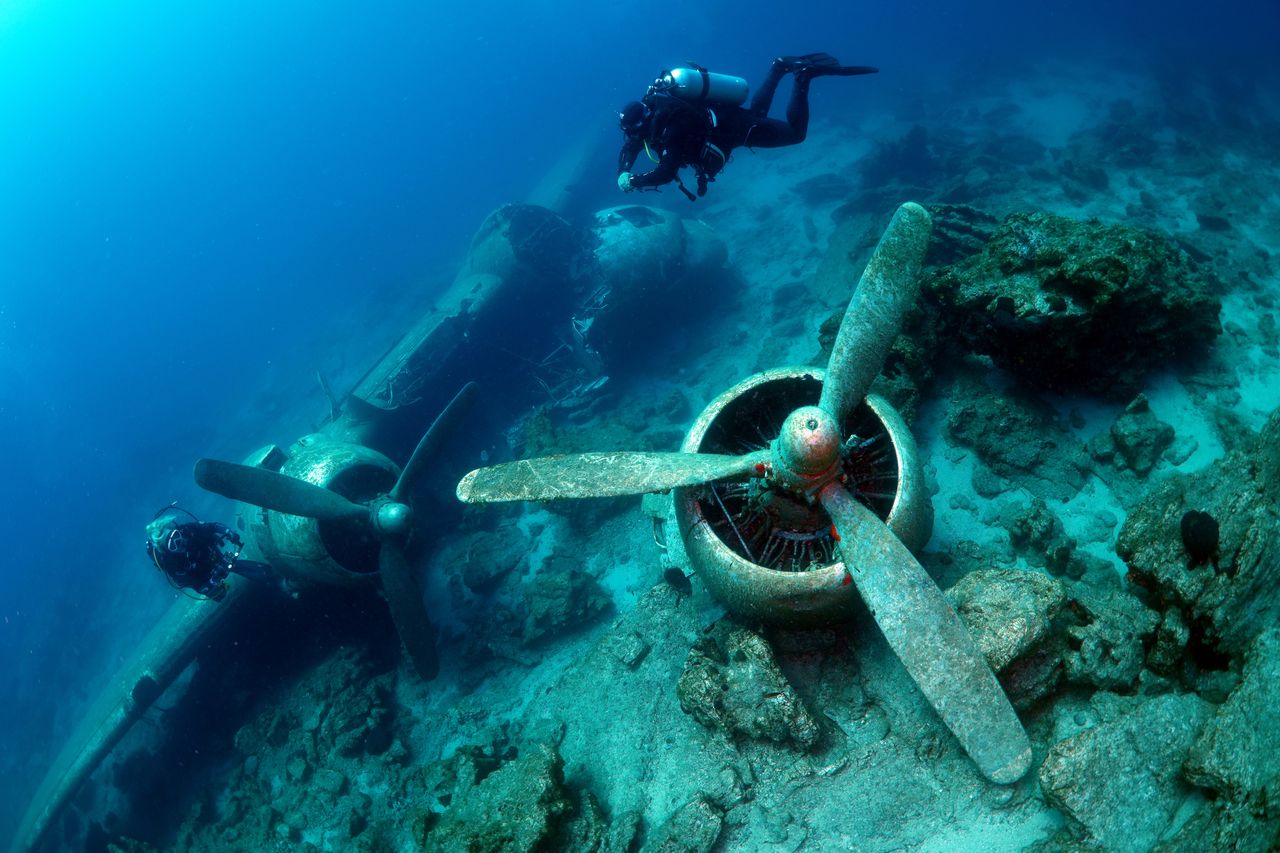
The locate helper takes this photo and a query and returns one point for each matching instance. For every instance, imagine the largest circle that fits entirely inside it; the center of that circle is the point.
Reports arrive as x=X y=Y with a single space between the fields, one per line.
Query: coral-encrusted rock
x=1232 y=602
x=1007 y=611
x=1020 y=439
x=1078 y=305
x=734 y=685
x=562 y=597
x=694 y=828
x=1010 y=614
x=1120 y=782
x=1109 y=649
x=512 y=809
x=1238 y=754
x=1136 y=440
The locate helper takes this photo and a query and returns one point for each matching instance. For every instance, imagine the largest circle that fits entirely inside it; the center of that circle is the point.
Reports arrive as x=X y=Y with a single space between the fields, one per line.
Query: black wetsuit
x=702 y=136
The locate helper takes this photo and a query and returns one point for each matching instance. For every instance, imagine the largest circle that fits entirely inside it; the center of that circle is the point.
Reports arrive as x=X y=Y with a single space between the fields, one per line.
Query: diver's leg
x=771 y=133
x=798 y=108
x=763 y=98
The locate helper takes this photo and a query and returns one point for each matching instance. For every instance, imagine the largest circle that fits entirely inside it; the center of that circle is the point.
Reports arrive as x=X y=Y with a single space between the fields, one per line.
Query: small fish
x=835 y=534
x=773 y=694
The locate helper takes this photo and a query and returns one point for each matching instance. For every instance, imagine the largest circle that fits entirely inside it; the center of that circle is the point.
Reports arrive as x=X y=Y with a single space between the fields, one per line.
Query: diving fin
x=822 y=65
x=838 y=70
x=808 y=60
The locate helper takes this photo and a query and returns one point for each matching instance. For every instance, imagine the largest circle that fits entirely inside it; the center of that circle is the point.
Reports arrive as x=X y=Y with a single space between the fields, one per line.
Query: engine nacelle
x=325 y=552
x=768 y=554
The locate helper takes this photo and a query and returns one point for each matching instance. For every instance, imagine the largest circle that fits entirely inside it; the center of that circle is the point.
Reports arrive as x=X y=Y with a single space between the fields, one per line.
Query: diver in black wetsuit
x=699 y=133
x=198 y=555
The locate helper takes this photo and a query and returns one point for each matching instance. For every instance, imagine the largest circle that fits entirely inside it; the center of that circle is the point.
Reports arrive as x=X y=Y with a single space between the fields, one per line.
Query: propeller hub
x=393 y=518
x=806 y=454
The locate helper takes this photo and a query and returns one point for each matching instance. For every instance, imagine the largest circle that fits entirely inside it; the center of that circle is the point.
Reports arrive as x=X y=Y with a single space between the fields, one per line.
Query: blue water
x=194 y=196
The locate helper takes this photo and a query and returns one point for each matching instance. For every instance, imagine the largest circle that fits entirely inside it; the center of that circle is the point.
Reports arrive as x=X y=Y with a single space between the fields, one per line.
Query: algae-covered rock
x=560 y=598
x=1238 y=754
x=1108 y=648
x=694 y=828
x=1120 y=783
x=1020 y=439
x=1135 y=441
x=1079 y=305
x=733 y=684
x=1231 y=602
x=1010 y=614
x=1225 y=825
x=512 y=809
x=1040 y=537
x=1007 y=611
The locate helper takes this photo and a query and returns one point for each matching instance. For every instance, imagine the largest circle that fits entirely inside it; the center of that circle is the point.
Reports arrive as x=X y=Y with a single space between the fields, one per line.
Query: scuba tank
x=697 y=85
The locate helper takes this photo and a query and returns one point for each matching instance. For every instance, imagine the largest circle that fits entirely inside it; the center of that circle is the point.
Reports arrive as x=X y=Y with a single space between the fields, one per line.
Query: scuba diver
x=692 y=117
x=198 y=555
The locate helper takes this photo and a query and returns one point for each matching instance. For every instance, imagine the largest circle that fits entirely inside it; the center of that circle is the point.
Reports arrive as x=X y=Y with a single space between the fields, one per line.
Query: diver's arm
x=664 y=173
x=627 y=156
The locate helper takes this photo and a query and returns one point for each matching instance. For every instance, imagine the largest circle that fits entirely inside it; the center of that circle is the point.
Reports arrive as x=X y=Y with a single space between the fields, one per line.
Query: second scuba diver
x=198 y=555
x=692 y=117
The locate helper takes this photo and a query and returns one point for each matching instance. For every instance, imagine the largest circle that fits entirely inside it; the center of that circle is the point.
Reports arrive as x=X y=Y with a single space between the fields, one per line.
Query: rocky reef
x=1078 y=305
x=1228 y=598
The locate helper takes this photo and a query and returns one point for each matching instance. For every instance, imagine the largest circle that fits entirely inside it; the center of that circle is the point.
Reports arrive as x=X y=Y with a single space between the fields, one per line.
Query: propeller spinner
x=325 y=520
x=816 y=512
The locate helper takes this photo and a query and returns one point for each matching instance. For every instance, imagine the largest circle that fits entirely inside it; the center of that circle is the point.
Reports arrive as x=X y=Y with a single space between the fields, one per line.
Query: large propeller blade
x=928 y=637
x=408 y=610
x=430 y=442
x=272 y=490
x=888 y=288
x=601 y=475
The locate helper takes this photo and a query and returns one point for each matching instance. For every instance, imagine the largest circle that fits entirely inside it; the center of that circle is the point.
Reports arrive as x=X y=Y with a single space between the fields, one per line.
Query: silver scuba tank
x=700 y=86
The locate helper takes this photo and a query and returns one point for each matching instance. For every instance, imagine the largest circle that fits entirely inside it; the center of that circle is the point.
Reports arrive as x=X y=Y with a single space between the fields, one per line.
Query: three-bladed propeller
x=918 y=622
x=389 y=517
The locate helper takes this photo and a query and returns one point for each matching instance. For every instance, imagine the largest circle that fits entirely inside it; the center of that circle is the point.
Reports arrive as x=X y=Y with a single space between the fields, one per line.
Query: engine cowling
x=770 y=554
x=325 y=552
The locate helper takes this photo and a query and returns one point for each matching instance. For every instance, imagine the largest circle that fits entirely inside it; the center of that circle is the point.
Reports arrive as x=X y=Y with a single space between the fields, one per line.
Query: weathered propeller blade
x=930 y=640
x=888 y=287
x=404 y=598
x=601 y=475
x=430 y=441
x=272 y=490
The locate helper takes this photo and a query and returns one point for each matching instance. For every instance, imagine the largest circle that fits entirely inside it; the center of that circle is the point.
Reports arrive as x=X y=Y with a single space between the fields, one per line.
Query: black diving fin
x=823 y=65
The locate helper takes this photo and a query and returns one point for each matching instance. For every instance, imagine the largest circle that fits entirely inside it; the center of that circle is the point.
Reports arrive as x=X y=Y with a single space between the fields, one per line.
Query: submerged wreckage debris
x=334 y=508
x=764 y=527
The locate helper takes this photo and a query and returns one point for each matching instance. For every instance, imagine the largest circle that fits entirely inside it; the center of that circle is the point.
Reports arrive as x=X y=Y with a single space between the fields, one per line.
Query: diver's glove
x=624 y=182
